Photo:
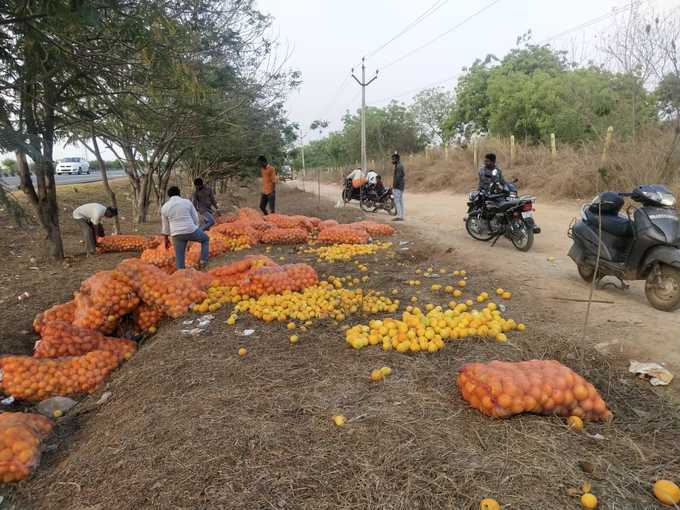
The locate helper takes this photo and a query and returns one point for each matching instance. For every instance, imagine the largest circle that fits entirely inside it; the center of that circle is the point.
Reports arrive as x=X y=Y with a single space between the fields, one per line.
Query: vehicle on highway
x=642 y=245
x=285 y=173
x=73 y=166
x=500 y=212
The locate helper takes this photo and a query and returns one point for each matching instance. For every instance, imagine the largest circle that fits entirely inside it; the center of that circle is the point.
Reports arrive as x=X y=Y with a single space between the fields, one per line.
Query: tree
x=431 y=108
x=471 y=110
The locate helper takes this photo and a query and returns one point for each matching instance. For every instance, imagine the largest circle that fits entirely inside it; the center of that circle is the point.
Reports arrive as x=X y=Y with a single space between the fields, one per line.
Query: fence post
x=512 y=150
x=474 y=153
x=607 y=143
x=446 y=152
x=553 y=146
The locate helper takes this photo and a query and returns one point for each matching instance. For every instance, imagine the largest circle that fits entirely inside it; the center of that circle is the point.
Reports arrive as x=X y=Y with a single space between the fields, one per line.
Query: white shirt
x=355 y=174
x=372 y=177
x=91 y=212
x=178 y=216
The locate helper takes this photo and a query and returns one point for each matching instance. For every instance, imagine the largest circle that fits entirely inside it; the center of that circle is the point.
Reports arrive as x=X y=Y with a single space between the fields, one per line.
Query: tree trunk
x=143 y=199
x=105 y=180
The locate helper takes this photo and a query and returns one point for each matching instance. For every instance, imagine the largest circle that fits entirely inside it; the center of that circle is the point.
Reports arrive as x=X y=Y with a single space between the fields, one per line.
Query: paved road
x=13 y=182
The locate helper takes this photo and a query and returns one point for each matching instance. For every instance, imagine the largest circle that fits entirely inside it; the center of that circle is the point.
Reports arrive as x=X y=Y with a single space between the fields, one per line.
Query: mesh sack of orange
x=35 y=379
x=61 y=339
x=501 y=389
x=278 y=279
x=183 y=290
x=230 y=274
x=374 y=229
x=301 y=275
x=128 y=242
x=225 y=218
x=164 y=258
x=282 y=220
x=20 y=437
x=359 y=182
x=238 y=230
x=328 y=223
x=63 y=312
x=284 y=236
x=147 y=317
x=103 y=299
x=342 y=234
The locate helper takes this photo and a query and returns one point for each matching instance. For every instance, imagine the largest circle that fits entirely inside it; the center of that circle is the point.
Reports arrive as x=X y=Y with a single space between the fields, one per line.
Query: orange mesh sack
x=63 y=312
x=147 y=317
x=327 y=223
x=301 y=275
x=230 y=274
x=20 y=437
x=501 y=389
x=282 y=221
x=374 y=229
x=61 y=339
x=284 y=236
x=238 y=230
x=183 y=290
x=103 y=299
x=121 y=243
x=342 y=234
x=359 y=182
x=35 y=379
x=278 y=279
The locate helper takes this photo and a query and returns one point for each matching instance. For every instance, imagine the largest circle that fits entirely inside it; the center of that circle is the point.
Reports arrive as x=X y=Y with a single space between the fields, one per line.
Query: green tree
x=471 y=110
x=431 y=108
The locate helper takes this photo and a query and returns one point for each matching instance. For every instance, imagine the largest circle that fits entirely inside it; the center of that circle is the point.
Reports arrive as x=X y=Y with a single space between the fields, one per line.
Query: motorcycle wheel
x=586 y=272
x=472 y=227
x=526 y=241
x=367 y=205
x=391 y=207
x=662 y=288
x=346 y=195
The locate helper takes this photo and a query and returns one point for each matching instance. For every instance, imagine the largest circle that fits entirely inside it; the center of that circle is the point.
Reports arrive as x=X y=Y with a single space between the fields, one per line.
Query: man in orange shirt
x=269 y=179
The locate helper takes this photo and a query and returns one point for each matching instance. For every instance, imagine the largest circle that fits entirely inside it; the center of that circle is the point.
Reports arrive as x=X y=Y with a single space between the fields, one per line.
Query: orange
x=667 y=492
x=588 y=501
x=489 y=504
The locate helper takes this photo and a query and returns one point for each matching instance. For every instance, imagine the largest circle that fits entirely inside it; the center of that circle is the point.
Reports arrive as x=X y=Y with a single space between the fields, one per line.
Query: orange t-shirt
x=268 y=179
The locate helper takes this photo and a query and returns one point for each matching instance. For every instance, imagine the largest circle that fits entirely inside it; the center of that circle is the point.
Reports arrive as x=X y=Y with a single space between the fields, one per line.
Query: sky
x=324 y=39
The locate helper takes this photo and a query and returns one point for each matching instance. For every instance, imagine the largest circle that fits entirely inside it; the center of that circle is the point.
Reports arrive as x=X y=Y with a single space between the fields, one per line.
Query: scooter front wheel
x=662 y=288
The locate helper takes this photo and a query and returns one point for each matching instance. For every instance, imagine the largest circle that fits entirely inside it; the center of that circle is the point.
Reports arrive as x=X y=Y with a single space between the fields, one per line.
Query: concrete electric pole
x=363 y=84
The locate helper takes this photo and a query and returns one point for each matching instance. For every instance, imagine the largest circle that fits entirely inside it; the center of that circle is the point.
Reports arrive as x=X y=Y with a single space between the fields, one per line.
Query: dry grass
x=191 y=425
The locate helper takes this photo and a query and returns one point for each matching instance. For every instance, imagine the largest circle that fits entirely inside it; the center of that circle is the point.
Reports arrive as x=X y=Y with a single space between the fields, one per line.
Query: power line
x=447 y=32
x=335 y=96
x=431 y=10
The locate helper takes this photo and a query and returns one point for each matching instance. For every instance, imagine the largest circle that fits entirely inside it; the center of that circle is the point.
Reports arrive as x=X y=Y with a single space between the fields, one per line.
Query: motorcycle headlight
x=666 y=199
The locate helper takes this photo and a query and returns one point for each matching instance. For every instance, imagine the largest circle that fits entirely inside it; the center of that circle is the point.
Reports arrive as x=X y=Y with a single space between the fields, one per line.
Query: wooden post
x=553 y=146
x=474 y=153
x=607 y=143
x=446 y=152
x=512 y=150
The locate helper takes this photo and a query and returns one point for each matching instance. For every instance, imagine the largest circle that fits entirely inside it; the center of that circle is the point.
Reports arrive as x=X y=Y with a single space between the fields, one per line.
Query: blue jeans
x=398 y=195
x=207 y=220
x=180 y=241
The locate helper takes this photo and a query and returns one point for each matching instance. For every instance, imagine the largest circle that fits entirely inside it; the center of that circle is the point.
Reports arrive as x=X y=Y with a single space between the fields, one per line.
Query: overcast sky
x=325 y=38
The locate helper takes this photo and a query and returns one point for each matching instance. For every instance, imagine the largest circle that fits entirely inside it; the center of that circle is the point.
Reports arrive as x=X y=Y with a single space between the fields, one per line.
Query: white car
x=72 y=166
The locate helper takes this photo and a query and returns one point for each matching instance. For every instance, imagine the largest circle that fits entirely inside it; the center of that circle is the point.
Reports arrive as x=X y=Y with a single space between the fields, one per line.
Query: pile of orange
x=501 y=389
x=277 y=280
x=35 y=379
x=147 y=317
x=103 y=299
x=63 y=312
x=374 y=229
x=121 y=243
x=61 y=339
x=237 y=230
x=231 y=274
x=164 y=258
x=294 y=235
x=327 y=223
x=342 y=234
x=20 y=436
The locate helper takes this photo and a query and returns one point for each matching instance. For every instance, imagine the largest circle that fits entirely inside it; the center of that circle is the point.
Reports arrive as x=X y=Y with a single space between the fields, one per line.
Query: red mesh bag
x=35 y=379
x=301 y=275
x=225 y=218
x=282 y=220
x=374 y=229
x=501 y=389
x=284 y=236
x=103 y=299
x=238 y=230
x=61 y=339
x=342 y=234
x=20 y=438
x=327 y=223
x=278 y=279
x=122 y=243
x=230 y=274
x=63 y=312
x=147 y=317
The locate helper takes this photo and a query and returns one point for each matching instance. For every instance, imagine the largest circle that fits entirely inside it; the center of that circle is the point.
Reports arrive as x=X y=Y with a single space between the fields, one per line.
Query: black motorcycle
x=499 y=212
x=349 y=192
x=645 y=246
x=374 y=199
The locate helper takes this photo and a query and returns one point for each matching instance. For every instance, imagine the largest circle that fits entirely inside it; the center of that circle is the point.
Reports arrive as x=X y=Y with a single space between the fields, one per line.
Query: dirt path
x=629 y=327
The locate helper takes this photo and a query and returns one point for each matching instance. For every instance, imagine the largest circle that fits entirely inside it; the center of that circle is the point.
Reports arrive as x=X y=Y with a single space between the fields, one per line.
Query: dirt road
x=629 y=327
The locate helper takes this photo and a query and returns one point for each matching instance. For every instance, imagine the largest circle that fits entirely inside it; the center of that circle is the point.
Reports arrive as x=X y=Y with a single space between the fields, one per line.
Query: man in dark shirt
x=398 y=186
x=490 y=174
x=204 y=202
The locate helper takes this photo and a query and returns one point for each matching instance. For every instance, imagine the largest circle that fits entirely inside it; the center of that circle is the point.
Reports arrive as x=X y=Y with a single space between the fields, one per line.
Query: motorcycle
x=349 y=192
x=500 y=212
x=644 y=246
x=373 y=200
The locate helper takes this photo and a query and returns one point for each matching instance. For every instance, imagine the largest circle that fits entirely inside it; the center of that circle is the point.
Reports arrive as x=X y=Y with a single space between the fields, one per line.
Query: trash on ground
x=655 y=373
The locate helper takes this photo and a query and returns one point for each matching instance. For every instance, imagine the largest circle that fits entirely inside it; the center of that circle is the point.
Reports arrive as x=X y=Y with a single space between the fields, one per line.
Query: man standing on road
x=203 y=199
x=179 y=220
x=398 y=186
x=89 y=217
x=268 y=186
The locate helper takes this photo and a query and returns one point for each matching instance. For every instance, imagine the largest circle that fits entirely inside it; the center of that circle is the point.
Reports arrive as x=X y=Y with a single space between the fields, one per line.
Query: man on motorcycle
x=490 y=174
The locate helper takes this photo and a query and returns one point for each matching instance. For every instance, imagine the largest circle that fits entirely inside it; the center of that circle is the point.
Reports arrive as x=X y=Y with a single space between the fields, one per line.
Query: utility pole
x=302 y=150
x=363 y=84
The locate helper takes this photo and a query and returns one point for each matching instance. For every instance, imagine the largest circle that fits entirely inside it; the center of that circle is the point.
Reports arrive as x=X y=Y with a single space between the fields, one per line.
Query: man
x=490 y=174
x=268 y=186
x=89 y=217
x=355 y=174
x=203 y=199
x=398 y=182
x=372 y=177
x=179 y=220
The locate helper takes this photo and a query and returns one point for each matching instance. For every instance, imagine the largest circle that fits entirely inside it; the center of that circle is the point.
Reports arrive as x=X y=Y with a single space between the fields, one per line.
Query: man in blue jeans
x=398 y=183
x=180 y=221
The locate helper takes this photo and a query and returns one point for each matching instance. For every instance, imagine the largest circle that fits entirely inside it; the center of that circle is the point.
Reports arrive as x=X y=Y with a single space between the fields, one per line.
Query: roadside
x=629 y=327
x=94 y=176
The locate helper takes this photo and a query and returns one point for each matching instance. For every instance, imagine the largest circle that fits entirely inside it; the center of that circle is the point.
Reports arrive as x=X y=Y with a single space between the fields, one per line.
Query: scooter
x=645 y=246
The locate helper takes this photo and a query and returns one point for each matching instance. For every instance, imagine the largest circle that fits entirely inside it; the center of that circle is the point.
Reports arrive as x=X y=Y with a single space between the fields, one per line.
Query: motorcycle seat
x=502 y=206
x=612 y=223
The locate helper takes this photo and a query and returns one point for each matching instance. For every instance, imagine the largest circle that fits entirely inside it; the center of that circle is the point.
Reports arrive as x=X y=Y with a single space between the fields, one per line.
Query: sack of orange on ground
x=343 y=234
x=147 y=316
x=127 y=242
x=501 y=389
x=277 y=279
x=20 y=437
x=374 y=229
x=292 y=235
x=229 y=275
x=63 y=312
x=60 y=338
x=35 y=379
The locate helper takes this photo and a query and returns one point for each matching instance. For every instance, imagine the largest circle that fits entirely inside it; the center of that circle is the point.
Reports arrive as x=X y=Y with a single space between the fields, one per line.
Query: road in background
x=13 y=182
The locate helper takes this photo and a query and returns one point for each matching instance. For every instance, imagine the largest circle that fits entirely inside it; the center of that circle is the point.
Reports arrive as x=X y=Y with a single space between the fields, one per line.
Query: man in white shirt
x=180 y=222
x=89 y=217
x=355 y=174
x=372 y=177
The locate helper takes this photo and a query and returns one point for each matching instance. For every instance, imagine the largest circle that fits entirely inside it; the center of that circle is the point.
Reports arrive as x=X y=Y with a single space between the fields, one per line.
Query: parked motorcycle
x=499 y=212
x=373 y=200
x=644 y=246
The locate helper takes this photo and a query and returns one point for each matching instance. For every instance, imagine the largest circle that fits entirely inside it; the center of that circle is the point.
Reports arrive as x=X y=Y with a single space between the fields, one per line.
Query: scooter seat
x=612 y=223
